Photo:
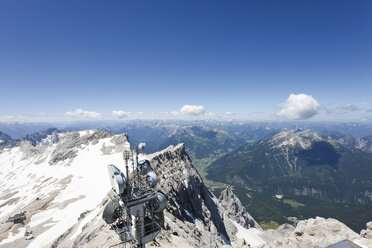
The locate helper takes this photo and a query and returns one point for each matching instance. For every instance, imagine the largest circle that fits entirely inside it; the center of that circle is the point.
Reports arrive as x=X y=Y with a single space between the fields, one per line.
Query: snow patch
x=251 y=235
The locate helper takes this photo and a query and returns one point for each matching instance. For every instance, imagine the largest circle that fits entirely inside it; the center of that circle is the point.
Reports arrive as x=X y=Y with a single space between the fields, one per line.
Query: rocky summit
x=60 y=186
x=318 y=232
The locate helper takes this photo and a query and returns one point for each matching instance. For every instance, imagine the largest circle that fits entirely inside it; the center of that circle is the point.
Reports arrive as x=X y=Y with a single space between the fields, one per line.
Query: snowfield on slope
x=69 y=187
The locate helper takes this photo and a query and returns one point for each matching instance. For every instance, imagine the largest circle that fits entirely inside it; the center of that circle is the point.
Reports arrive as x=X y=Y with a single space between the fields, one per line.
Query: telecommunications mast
x=134 y=201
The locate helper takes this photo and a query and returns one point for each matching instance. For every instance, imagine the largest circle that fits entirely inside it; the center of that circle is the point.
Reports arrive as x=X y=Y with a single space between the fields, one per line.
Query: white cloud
x=210 y=114
x=346 y=108
x=299 y=107
x=230 y=113
x=190 y=110
x=8 y=117
x=79 y=113
x=327 y=110
x=120 y=114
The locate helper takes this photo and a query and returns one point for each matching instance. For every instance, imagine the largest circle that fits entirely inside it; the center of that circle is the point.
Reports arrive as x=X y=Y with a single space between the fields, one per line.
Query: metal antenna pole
x=138 y=174
x=131 y=213
x=126 y=158
x=133 y=165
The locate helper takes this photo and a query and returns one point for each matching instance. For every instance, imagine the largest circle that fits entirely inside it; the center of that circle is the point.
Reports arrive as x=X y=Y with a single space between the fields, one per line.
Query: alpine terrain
x=300 y=163
x=53 y=191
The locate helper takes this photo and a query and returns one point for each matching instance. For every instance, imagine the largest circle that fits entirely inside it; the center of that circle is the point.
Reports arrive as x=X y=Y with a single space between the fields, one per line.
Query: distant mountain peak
x=356 y=142
x=295 y=138
x=6 y=140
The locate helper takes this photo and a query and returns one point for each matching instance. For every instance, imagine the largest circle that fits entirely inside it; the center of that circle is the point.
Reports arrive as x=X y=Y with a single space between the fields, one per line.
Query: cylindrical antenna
x=126 y=158
x=133 y=172
x=138 y=173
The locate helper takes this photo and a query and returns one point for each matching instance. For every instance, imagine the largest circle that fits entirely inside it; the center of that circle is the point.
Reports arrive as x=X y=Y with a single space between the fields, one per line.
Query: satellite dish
x=160 y=202
x=144 y=166
x=134 y=201
x=118 y=181
x=151 y=179
x=141 y=147
x=111 y=212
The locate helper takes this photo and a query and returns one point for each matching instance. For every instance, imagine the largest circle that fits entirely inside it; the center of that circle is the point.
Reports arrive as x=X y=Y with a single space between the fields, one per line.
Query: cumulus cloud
x=120 y=114
x=229 y=114
x=299 y=107
x=8 y=117
x=190 y=110
x=79 y=113
x=346 y=108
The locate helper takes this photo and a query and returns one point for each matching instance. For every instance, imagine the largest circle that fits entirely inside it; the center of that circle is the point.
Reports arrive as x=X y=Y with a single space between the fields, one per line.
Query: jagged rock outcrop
x=6 y=140
x=241 y=226
x=235 y=210
x=190 y=203
x=367 y=233
x=54 y=197
x=64 y=202
x=318 y=232
x=303 y=139
x=363 y=144
x=37 y=137
x=69 y=144
x=107 y=130
x=46 y=137
x=194 y=217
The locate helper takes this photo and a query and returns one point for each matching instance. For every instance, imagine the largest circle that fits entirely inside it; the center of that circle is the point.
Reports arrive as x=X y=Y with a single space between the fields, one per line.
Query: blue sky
x=147 y=59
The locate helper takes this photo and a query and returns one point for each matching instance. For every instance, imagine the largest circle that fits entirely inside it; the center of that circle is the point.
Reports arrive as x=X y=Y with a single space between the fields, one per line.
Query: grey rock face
x=28 y=150
x=69 y=144
x=356 y=143
x=194 y=217
x=6 y=140
x=295 y=138
x=235 y=210
x=367 y=233
x=318 y=232
x=37 y=137
x=107 y=130
x=189 y=201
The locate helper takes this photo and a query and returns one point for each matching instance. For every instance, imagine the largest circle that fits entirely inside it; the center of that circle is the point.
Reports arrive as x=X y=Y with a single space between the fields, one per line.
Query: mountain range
x=360 y=143
x=53 y=175
x=301 y=163
x=61 y=187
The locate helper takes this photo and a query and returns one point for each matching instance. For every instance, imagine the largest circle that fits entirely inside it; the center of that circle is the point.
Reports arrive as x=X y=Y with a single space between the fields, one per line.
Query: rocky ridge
x=363 y=144
x=235 y=210
x=47 y=136
x=318 y=232
x=54 y=183
x=6 y=140
x=61 y=174
x=295 y=138
x=194 y=217
x=70 y=182
x=38 y=137
x=367 y=233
